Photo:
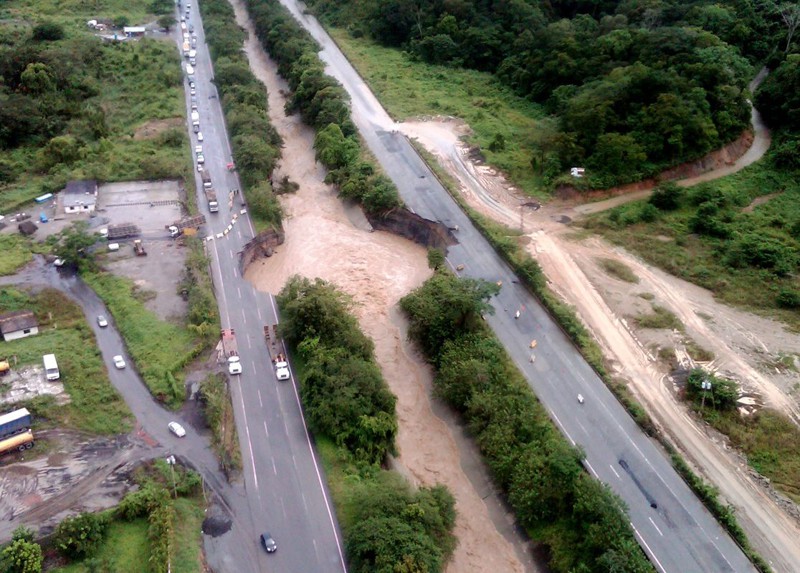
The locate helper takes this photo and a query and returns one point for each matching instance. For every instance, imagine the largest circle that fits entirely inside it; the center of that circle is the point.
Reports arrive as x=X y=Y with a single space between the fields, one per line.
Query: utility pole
x=706 y=386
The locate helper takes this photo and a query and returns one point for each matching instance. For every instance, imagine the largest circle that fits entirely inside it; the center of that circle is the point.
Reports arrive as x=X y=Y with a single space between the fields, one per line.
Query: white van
x=189 y=70
x=51 y=367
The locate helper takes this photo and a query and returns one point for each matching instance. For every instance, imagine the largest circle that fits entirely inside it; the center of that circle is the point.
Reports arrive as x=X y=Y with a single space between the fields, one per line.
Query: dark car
x=268 y=543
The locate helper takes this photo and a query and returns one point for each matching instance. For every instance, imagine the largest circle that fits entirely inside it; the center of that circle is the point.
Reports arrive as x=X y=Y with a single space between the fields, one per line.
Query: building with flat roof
x=80 y=196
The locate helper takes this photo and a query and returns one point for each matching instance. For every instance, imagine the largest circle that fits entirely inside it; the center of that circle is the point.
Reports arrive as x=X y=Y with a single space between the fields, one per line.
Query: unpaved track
x=568 y=265
x=325 y=238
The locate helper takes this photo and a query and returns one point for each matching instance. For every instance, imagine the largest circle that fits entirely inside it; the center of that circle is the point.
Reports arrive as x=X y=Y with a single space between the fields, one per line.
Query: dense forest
x=633 y=86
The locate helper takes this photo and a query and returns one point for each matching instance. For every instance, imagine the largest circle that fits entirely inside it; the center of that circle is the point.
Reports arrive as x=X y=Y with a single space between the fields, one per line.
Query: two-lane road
x=673 y=527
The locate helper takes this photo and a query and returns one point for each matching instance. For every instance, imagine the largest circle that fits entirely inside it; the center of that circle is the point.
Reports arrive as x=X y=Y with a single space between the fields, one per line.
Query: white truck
x=230 y=351
x=276 y=355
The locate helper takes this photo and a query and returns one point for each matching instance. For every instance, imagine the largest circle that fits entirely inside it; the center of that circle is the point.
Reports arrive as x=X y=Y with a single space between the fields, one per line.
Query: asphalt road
x=285 y=489
x=673 y=527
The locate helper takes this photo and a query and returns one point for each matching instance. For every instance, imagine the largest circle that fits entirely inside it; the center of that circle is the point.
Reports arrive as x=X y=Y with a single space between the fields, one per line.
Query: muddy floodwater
x=326 y=238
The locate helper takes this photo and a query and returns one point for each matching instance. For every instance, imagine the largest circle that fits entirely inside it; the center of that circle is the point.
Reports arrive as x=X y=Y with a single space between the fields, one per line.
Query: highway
x=284 y=485
x=672 y=526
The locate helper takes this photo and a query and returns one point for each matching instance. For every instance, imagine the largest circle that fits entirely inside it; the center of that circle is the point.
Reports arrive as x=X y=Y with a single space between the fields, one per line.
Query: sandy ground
x=746 y=346
x=327 y=239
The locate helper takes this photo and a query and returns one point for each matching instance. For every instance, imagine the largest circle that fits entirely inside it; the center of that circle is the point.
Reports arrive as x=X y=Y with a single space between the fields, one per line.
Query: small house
x=134 y=31
x=18 y=324
x=80 y=196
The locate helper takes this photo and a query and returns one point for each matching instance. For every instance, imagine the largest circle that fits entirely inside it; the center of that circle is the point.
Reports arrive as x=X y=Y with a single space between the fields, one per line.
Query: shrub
x=666 y=196
x=80 y=536
x=788 y=298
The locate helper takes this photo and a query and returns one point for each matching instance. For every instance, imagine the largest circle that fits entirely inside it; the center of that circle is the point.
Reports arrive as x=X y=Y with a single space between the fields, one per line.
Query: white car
x=234 y=366
x=193 y=91
x=198 y=149
x=282 y=370
x=119 y=362
x=113 y=246
x=176 y=429
x=59 y=262
x=101 y=321
x=201 y=159
x=199 y=136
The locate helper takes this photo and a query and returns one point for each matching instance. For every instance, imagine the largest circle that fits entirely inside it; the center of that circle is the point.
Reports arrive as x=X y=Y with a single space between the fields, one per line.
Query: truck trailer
x=211 y=197
x=15 y=422
x=275 y=353
x=121 y=231
x=20 y=442
x=230 y=351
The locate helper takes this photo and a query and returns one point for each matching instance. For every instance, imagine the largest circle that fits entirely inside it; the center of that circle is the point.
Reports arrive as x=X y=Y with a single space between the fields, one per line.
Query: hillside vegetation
x=631 y=87
x=73 y=106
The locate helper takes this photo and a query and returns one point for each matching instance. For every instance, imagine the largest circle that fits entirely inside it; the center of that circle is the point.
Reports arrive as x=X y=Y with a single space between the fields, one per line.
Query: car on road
x=268 y=543
x=176 y=429
x=199 y=136
x=119 y=362
x=198 y=149
x=101 y=321
x=234 y=365
x=201 y=158
x=192 y=91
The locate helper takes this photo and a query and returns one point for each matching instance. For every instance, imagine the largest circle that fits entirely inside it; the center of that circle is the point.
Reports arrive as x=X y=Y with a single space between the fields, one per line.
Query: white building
x=18 y=324
x=79 y=196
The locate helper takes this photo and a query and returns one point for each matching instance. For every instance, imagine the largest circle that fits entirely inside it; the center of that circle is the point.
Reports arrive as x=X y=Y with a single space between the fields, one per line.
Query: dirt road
x=328 y=239
x=742 y=343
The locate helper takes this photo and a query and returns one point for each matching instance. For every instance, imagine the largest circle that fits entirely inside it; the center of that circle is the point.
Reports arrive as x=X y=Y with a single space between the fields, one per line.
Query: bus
x=51 y=367
x=20 y=442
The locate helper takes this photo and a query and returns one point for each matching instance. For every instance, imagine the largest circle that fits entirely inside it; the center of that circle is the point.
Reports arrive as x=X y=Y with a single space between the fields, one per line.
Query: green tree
x=666 y=196
x=72 y=244
x=47 y=32
x=388 y=544
x=167 y=21
x=436 y=259
x=80 y=536
x=37 y=79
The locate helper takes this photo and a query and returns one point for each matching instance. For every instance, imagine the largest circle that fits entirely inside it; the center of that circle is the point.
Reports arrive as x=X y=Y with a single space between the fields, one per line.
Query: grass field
x=159 y=349
x=95 y=405
x=409 y=89
x=16 y=253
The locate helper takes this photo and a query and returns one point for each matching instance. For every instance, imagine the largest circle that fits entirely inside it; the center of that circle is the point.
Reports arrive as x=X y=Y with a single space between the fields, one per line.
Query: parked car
x=176 y=429
x=193 y=91
x=199 y=136
x=59 y=262
x=113 y=246
x=101 y=321
x=119 y=362
x=201 y=159
x=268 y=543
x=234 y=366
x=198 y=149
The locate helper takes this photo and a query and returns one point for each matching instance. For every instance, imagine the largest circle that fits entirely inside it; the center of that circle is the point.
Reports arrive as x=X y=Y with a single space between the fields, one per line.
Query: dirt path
x=325 y=238
x=748 y=346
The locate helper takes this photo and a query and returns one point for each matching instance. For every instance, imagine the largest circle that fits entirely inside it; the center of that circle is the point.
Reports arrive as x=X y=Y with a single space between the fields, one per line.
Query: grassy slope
x=15 y=253
x=408 y=89
x=96 y=406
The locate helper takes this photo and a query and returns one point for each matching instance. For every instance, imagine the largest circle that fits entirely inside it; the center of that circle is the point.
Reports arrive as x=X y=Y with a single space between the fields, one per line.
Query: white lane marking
x=305 y=505
x=239 y=290
x=615 y=471
x=274 y=467
x=656 y=526
x=244 y=316
x=563 y=429
x=258 y=310
x=591 y=469
x=249 y=342
x=648 y=550
x=218 y=269
x=261 y=403
x=249 y=443
x=266 y=430
x=314 y=459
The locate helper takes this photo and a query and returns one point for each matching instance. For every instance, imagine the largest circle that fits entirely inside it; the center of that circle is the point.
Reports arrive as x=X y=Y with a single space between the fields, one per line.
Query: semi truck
x=189 y=225
x=211 y=197
x=20 y=442
x=230 y=351
x=275 y=353
x=14 y=422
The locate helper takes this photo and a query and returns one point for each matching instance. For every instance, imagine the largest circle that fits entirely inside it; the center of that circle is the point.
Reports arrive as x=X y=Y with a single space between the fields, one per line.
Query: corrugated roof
x=17 y=320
